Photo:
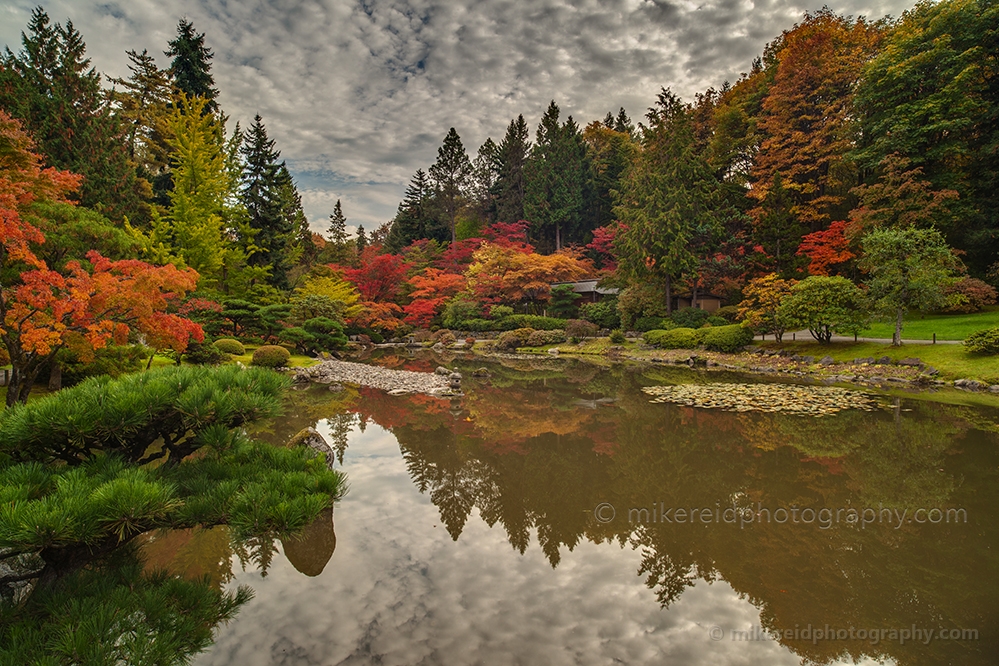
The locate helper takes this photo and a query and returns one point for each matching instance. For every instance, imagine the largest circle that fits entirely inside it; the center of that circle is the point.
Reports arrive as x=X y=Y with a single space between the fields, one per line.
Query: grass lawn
x=952 y=361
x=946 y=326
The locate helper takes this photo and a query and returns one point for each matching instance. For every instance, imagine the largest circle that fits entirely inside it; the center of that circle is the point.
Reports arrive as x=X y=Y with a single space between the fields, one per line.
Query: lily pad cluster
x=772 y=398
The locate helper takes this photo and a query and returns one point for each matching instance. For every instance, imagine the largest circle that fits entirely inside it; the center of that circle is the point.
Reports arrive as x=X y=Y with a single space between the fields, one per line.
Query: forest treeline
x=137 y=211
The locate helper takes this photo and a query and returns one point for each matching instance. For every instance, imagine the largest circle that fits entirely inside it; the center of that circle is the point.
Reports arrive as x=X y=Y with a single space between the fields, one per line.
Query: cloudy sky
x=360 y=94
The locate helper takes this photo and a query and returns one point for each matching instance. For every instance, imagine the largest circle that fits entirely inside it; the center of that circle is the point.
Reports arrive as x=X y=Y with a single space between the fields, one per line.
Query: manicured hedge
x=271 y=356
x=510 y=340
x=511 y=322
x=675 y=338
x=727 y=338
x=230 y=346
x=645 y=324
x=542 y=338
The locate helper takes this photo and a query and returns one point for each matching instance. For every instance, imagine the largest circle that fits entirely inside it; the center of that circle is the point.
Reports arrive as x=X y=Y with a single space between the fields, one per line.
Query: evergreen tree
x=485 y=174
x=623 y=123
x=265 y=202
x=417 y=215
x=670 y=201
x=553 y=197
x=450 y=175
x=191 y=68
x=512 y=155
x=778 y=230
x=362 y=239
x=51 y=87
x=339 y=248
x=141 y=103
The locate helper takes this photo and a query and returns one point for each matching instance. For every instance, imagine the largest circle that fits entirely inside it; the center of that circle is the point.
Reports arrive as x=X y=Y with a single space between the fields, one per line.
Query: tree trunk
x=558 y=237
x=669 y=296
x=896 y=338
x=454 y=232
x=55 y=377
x=693 y=296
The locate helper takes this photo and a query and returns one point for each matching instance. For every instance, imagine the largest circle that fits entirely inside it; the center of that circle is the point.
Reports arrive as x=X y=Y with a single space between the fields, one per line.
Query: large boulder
x=311 y=438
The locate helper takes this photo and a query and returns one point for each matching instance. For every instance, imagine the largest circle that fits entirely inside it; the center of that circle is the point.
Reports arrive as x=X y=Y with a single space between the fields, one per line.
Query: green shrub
x=203 y=353
x=603 y=313
x=445 y=337
x=510 y=340
x=460 y=309
x=230 y=346
x=542 y=338
x=617 y=337
x=715 y=320
x=689 y=317
x=983 y=342
x=113 y=360
x=643 y=324
x=728 y=339
x=729 y=313
x=531 y=321
x=674 y=338
x=577 y=329
x=271 y=356
x=500 y=311
x=476 y=325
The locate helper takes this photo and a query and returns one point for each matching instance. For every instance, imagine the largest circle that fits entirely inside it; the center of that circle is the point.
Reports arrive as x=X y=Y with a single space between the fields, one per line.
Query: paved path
x=807 y=337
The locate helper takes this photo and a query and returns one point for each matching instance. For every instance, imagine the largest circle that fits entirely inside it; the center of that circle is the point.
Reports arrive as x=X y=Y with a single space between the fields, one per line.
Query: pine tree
x=51 y=87
x=265 y=207
x=339 y=248
x=141 y=102
x=512 y=155
x=450 y=175
x=362 y=239
x=670 y=201
x=191 y=68
x=553 y=196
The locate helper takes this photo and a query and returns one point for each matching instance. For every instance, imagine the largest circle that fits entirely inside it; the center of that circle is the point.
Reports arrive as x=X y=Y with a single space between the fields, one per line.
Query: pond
x=559 y=514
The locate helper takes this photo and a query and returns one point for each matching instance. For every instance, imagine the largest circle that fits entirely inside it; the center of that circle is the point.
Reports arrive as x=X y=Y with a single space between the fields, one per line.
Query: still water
x=554 y=515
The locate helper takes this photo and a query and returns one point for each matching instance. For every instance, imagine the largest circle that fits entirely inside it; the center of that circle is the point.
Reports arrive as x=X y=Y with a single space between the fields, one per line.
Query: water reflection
x=533 y=449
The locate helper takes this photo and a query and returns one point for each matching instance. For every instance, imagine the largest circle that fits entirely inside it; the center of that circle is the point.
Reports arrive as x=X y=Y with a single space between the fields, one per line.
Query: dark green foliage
x=326 y=334
x=191 y=69
x=676 y=338
x=203 y=353
x=983 y=342
x=729 y=313
x=510 y=183
x=113 y=360
x=271 y=318
x=511 y=340
x=563 y=301
x=450 y=175
x=243 y=315
x=52 y=89
x=643 y=324
x=230 y=346
x=617 y=337
x=72 y=231
x=727 y=338
x=577 y=329
x=115 y=613
x=417 y=216
x=715 y=320
x=689 y=317
x=542 y=338
x=271 y=356
x=476 y=325
x=602 y=313
x=129 y=413
x=266 y=191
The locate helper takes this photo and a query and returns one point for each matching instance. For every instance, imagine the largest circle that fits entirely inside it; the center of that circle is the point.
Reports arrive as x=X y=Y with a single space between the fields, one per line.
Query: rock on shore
x=394 y=381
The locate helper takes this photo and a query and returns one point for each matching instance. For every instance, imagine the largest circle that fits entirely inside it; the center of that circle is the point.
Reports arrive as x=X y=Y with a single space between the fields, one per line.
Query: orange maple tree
x=507 y=275
x=826 y=249
x=43 y=311
x=431 y=290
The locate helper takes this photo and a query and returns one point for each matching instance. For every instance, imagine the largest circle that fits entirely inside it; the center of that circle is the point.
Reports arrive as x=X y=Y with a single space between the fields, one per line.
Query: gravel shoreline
x=394 y=381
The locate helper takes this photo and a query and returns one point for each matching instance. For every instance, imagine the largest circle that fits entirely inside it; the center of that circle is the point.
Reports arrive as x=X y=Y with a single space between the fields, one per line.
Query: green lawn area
x=952 y=361
x=946 y=326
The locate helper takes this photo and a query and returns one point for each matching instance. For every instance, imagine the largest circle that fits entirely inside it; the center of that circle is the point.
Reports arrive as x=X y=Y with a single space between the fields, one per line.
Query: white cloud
x=359 y=95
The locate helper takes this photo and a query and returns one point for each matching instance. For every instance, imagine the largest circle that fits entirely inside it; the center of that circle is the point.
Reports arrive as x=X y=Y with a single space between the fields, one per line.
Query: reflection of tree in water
x=550 y=473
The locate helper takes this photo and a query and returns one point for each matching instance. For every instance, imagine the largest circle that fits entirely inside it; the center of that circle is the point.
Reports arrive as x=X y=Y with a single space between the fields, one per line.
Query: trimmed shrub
x=203 y=353
x=617 y=337
x=445 y=337
x=577 y=329
x=476 y=325
x=536 y=322
x=728 y=339
x=643 y=324
x=714 y=320
x=602 y=313
x=983 y=342
x=542 y=338
x=500 y=311
x=729 y=313
x=689 y=317
x=230 y=346
x=674 y=338
x=510 y=340
x=271 y=356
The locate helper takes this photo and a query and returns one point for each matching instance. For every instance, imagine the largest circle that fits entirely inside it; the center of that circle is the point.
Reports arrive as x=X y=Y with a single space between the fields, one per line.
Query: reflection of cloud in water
x=400 y=591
